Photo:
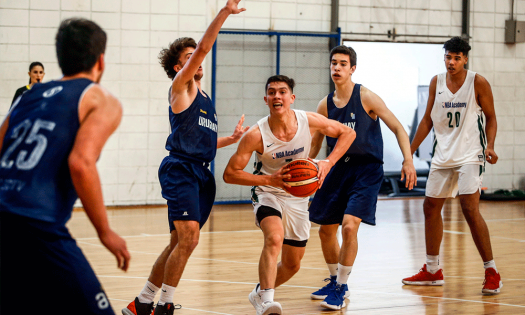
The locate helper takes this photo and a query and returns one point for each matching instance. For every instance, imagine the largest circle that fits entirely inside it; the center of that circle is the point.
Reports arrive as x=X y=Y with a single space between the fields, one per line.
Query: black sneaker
x=138 y=308
x=166 y=309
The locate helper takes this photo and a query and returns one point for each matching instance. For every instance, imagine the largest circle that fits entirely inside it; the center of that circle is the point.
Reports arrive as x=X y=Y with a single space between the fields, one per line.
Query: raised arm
x=205 y=45
x=99 y=115
x=344 y=134
x=317 y=137
x=234 y=172
x=373 y=103
x=486 y=101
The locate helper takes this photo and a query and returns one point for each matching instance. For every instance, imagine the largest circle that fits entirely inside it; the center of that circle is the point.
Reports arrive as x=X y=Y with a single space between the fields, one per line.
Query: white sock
x=490 y=264
x=148 y=293
x=333 y=269
x=432 y=263
x=267 y=295
x=166 y=294
x=343 y=272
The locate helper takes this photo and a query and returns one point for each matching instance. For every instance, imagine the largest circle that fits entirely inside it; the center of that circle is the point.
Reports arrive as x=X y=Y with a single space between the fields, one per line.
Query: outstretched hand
x=408 y=171
x=233 y=7
x=117 y=246
x=239 y=130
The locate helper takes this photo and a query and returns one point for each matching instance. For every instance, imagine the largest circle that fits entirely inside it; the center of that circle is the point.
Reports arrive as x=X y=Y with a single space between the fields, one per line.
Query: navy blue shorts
x=348 y=189
x=43 y=271
x=189 y=188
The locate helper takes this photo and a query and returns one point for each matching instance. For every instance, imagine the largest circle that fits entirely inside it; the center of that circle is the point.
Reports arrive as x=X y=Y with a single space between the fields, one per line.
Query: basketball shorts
x=293 y=211
x=348 y=189
x=189 y=188
x=447 y=182
x=43 y=269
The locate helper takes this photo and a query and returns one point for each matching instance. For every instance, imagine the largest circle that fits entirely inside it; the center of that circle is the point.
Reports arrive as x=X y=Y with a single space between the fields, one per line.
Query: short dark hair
x=280 y=78
x=457 y=45
x=345 y=50
x=79 y=44
x=169 y=57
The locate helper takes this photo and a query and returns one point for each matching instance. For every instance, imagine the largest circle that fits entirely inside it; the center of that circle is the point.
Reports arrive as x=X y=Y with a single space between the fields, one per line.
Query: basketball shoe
x=492 y=283
x=166 y=309
x=138 y=308
x=323 y=292
x=264 y=308
x=423 y=277
x=335 y=300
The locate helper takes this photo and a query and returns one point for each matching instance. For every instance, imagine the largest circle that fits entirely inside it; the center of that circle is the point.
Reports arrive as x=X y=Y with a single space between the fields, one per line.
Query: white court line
x=186 y=308
x=455 y=232
x=353 y=290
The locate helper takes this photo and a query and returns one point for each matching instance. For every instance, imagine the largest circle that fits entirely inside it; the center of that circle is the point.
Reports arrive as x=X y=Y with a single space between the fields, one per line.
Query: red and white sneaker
x=137 y=308
x=423 y=277
x=492 y=283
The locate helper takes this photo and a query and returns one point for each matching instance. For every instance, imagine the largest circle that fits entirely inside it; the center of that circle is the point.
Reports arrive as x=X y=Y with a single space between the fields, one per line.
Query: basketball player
x=277 y=139
x=349 y=195
x=461 y=148
x=49 y=143
x=187 y=183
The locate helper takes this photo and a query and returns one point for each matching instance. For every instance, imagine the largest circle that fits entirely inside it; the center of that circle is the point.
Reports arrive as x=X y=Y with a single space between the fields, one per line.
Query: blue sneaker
x=323 y=292
x=336 y=297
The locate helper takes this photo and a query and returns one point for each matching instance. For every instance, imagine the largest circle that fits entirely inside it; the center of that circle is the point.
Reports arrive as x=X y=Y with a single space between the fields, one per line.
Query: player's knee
x=326 y=234
x=469 y=211
x=349 y=231
x=274 y=240
x=188 y=243
x=431 y=209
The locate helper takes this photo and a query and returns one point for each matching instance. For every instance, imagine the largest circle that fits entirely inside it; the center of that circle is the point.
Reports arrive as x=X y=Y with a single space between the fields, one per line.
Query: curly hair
x=457 y=45
x=169 y=57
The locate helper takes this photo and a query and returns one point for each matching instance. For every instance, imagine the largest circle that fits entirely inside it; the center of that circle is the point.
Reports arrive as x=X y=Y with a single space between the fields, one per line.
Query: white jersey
x=459 y=131
x=278 y=153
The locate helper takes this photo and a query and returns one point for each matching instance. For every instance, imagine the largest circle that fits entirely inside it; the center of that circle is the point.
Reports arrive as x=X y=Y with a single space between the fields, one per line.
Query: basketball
x=304 y=181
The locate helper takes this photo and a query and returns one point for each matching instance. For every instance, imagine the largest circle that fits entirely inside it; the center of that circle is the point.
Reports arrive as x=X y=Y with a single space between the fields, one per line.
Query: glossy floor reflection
x=223 y=269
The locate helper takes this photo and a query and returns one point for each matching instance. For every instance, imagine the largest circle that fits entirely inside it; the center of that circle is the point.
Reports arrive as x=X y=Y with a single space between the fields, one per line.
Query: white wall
x=138 y=29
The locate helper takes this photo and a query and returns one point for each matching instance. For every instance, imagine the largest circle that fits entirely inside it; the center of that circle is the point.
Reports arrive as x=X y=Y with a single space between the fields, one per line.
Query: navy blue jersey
x=194 y=131
x=34 y=174
x=368 y=145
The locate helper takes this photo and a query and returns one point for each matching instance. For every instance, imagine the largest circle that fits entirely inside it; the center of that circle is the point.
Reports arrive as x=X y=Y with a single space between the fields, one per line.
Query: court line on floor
x=256 y=263
x=186 y=308
x=198 y=258
x=353 y=290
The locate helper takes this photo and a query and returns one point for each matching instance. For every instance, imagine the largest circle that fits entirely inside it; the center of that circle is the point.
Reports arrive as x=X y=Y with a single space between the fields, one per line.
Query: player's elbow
x=227 y=176
x=79 y=165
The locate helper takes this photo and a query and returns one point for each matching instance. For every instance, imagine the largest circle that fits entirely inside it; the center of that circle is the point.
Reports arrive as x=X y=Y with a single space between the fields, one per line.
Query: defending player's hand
x=233 y=7
x=278 y=177
x=408 y=171
x=117 y=246
x=239 y=130
x=324 y=168
x=492 y=157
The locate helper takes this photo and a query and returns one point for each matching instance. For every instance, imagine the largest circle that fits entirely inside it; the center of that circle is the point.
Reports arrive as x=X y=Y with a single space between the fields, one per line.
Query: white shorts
x=294 y=213
x=446 y=182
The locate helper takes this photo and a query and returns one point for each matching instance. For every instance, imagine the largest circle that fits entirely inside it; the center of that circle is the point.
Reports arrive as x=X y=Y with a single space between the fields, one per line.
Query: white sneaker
x=255 y=299
x=271 y=308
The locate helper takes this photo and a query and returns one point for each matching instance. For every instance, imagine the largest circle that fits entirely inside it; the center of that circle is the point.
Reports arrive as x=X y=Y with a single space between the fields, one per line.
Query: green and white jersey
x=459 y=130
x=278 y=153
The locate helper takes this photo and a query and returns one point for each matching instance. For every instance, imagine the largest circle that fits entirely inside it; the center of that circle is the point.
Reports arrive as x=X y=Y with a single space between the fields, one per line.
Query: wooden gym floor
x=223 y=269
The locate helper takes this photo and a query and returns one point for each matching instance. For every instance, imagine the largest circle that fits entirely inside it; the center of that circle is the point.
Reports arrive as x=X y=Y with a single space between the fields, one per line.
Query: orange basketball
x=304 y=181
